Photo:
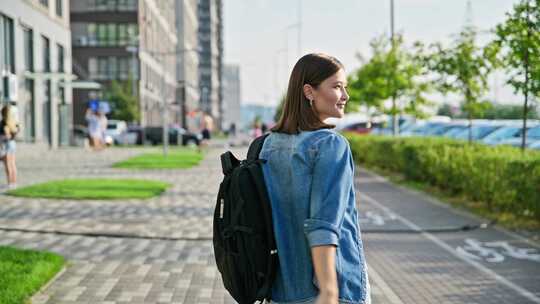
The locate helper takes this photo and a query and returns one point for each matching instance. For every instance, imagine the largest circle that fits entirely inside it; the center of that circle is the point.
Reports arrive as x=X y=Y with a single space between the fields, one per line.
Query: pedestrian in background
x=8 y=131
x=309 y=175
x=207 y=126
x=257 y=130
x=95 y=131
x=103 y=121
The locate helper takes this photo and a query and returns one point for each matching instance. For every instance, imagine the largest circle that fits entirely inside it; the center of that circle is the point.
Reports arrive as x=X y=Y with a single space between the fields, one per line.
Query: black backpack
x=244 y=244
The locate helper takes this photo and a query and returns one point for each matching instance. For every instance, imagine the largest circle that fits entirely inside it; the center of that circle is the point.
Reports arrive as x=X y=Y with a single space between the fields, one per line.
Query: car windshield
x=111 y=126
x=481 y=132
x=534 y=132
x=504 y=132
x=455 y=130
x=478 y=132
x=441 y=130
x=433 y=128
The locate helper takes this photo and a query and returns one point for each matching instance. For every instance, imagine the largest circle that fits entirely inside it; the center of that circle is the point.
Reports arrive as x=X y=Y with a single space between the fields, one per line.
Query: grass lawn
x=176 y=159
x=93 y=189
x=505 y=219
x=23 y=272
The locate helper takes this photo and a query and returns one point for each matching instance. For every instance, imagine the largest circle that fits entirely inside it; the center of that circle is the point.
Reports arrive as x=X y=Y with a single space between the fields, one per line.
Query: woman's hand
x=327 y=298
x=324 y=264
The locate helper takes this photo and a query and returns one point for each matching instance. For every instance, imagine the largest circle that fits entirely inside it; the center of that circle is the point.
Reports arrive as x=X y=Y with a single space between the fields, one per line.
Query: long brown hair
x=297 y=113
x=8 y=119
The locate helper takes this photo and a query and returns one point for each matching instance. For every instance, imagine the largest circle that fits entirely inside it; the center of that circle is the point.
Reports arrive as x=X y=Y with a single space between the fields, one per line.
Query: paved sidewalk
x=403 y=267
x=123 y=270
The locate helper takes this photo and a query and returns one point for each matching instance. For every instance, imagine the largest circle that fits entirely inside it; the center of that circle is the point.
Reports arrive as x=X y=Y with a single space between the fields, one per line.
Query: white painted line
x=376 y=280
x=437 y=202
x=523 y=292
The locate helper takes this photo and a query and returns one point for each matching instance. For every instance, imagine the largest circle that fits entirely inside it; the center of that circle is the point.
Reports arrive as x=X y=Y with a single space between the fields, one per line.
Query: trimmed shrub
x=505 y=178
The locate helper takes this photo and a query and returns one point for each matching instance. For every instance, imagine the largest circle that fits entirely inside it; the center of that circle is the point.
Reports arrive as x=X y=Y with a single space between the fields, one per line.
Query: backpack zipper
x=221 y=207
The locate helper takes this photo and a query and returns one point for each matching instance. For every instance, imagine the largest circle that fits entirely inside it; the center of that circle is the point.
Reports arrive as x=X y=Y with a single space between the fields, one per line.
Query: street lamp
x=165 y=109
x=395 y=126
x=161 y=55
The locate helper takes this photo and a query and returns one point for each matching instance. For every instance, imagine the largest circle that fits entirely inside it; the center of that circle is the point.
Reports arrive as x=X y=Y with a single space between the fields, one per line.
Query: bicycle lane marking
x=423 y=196
x=379 y=285
x=521 y=291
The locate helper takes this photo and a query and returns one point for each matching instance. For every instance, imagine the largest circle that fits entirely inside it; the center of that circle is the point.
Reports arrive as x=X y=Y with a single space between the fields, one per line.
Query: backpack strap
x=228 y=162
x=256 y=147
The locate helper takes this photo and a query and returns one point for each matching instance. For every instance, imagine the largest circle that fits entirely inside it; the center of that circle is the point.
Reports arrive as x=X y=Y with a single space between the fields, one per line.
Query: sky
x=261 y=36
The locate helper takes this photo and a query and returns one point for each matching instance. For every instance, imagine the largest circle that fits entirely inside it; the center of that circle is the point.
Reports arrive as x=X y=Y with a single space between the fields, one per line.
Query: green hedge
x=506 y=179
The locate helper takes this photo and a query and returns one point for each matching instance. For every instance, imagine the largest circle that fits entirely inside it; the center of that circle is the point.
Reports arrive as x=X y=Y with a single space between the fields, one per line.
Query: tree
x=519 y=40
x=502 y=111
x=392 y=72
x=124 y=105
x=446 y=110
x=464 y=68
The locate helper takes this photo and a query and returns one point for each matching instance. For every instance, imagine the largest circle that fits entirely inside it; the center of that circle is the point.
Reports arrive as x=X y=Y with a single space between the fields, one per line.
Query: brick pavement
x=403 y=269
x=122 y=270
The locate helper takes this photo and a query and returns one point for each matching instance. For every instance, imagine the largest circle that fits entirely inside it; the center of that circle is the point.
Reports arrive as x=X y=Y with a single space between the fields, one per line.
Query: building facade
x=231 y=96
x=187 y=65
x=211 y=57
x=35 y=65
x=121 y=40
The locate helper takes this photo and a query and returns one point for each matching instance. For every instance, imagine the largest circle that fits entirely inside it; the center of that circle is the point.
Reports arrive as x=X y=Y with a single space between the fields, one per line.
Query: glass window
x=61 y=58
x=59 y=8
x=46 y=54
x=133 y=31
x=122 y=34
x=122 y=5
x=29 y=114
x=46 y=106
x=111 y=5
x=134 y=69
x=28 y=41
x=7 y=44
x=112 y=72
x=101 y=34
x=92 y=34
x=102 y=67
x=101 y=5
x=111 y=34
x=62 y=95
x=93 y=67
x=123 y=67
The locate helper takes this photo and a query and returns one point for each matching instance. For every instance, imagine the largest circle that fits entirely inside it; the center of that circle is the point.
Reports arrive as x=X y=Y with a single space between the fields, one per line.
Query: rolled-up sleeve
x=330 y=190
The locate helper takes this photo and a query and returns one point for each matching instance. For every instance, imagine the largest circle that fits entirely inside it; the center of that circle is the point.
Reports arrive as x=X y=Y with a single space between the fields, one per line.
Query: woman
x=95 y=129
x=8 y=130
x=309 y=176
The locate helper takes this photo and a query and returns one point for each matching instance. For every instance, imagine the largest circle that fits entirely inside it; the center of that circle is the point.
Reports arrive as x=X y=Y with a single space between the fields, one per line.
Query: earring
x=311 y=102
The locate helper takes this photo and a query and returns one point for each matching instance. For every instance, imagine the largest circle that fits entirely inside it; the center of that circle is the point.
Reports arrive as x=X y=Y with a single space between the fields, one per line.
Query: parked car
x=478 y=131
x=502 y=134
x=534 y=145
x=359 y=128
x=437 y=129
x=80 y=136
x=177 y=135
x=533 y=134
x=137 y=133
x=114 y=133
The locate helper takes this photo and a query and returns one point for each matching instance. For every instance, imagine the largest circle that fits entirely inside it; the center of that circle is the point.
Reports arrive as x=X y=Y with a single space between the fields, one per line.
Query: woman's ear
x=308 y=91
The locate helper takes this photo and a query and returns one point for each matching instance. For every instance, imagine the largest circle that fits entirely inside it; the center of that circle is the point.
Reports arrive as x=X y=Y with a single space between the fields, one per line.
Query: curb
x=447 y=206
x=39 y=297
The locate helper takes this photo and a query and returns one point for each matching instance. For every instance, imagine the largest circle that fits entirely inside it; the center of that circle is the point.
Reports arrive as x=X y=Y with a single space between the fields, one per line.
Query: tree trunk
x=525 y=105
x=395 y=122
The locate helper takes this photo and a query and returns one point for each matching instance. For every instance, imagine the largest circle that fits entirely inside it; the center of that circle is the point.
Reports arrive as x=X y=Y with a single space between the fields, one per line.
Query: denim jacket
x=309 y=177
